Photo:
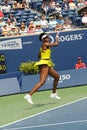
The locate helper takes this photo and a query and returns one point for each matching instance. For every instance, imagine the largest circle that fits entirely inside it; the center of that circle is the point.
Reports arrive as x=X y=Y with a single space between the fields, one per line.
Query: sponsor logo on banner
x=72 y=37
x=29 y=42
x=63 y=78
x=2 y=64
x=11 y=44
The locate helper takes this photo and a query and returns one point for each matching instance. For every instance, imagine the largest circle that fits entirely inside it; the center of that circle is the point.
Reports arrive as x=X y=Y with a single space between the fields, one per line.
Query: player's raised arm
x=55 y=43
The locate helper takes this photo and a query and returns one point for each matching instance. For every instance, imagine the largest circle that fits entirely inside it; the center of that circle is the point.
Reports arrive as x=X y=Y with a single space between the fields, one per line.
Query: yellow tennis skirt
x=48 y=62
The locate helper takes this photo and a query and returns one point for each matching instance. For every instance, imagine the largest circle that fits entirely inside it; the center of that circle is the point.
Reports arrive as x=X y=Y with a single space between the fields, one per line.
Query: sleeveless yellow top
x=45 y=54
x=45 y=58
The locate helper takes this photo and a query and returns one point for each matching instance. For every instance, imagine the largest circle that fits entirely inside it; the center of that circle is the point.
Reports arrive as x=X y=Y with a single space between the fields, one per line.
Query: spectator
x=6 y=7
x=1 y=11
x=18 y=8
x=52 y=4
x=45 y=7
x=31 y=27
x=58 y=27
x=38 y=29
x=14 y=31
x=23 y=30
x=64 y=5
x=37 y=21
x=85 y=2
x=84 y=19
x=9 y=24
x=44 y=22
x=22 y=23
x=12 y=19
x=5 y=30
x=23 y=5
x=32 y=24
x=60 y=19
x=58 y=8
x=16 y=5
x=1 y=22
x=72 y=5
x=52 y=23
x=1 y=14
x=67 y=25
x=80 y=63
x=80 y=3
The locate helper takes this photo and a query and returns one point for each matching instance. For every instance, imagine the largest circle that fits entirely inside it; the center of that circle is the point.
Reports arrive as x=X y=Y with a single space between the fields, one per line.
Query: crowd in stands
x=21 y=17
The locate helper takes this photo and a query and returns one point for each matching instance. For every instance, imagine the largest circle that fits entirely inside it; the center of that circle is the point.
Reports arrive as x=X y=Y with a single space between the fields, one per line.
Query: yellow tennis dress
x=45 y=58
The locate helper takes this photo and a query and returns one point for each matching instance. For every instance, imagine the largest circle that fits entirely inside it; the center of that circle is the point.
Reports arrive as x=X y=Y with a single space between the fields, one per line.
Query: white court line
x=47 y=125
x=43 y=112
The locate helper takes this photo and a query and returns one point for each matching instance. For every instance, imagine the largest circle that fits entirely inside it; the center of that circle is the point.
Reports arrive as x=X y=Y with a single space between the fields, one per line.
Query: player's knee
x=57 y=77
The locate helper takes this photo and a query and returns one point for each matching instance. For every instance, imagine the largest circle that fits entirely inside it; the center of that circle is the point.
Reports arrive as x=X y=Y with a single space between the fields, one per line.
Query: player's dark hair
x=40 y=36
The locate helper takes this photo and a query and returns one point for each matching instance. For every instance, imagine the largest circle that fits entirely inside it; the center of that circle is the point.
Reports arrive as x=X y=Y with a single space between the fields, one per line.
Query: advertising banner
x=3 y=68
x=19 y=83
x=11 y=44
x=68 y=78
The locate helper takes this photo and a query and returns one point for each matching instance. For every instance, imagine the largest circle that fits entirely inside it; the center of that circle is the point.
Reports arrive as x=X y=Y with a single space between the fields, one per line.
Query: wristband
x=57 y=37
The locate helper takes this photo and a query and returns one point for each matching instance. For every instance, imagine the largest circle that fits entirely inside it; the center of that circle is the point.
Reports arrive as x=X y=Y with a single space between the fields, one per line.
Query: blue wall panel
x=72 y=44
x=68 y=78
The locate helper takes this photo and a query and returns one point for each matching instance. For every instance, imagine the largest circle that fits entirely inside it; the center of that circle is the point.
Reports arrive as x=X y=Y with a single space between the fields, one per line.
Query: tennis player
x=45 y=67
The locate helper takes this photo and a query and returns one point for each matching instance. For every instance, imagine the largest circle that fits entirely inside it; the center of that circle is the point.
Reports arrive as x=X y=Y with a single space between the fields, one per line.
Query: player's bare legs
x=43 y=75
x=56 y=77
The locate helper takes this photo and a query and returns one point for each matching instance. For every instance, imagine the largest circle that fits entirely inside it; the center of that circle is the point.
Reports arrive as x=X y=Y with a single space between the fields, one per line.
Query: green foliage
x=28 y=67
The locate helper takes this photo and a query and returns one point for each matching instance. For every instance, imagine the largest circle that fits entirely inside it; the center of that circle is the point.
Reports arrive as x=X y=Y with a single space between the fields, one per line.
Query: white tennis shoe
x=28 y=98
x=54 y=95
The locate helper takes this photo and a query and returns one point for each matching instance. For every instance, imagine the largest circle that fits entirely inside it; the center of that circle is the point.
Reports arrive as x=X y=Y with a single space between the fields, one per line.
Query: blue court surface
x=71 y=116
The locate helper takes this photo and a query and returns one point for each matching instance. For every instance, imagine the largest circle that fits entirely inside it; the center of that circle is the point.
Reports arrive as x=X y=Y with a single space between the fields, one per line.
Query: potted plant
x=28 y=68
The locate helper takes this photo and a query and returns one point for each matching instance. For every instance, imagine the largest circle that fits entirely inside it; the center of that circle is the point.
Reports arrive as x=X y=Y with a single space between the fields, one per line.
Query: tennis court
x=69 y=113
x=72 y=116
